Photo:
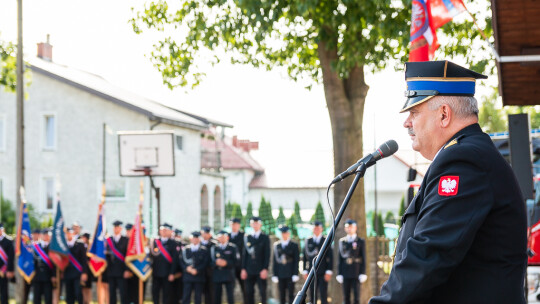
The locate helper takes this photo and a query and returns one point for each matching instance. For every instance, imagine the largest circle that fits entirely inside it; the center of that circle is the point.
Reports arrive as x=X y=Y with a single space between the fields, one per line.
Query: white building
x=65 y=114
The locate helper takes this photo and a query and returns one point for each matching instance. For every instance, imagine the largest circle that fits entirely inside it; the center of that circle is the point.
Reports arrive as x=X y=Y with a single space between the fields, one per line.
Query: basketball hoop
x=147 y=170
x=146 y=153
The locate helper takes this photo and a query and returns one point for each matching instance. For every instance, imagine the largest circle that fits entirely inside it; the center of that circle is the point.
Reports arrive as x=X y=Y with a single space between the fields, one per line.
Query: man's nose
x=407 y=122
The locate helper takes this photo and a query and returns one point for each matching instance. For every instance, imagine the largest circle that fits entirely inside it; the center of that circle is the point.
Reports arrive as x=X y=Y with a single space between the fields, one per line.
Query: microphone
x=388 y=148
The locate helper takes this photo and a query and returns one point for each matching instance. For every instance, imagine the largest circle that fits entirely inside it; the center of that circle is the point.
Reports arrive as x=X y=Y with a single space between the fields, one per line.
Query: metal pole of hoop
x=148 y=172
x=328 y=242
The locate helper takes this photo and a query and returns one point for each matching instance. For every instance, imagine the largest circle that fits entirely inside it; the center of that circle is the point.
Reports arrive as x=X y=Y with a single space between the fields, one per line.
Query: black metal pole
x=158 y=196
x=327 y=243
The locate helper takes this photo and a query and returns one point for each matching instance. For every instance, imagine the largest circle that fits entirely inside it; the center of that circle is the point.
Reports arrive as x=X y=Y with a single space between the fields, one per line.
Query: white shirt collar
x=257 y=234
x=317 y=239
x=163 y=240
x=43 y=243
x=117 y=237
x=351 y=238
x=70 y=244
x=223 y=246
x=284 y=243
x=194 y=248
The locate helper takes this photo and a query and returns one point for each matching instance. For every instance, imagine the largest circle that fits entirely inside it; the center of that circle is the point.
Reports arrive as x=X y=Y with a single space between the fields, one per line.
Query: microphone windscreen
x=388 y=148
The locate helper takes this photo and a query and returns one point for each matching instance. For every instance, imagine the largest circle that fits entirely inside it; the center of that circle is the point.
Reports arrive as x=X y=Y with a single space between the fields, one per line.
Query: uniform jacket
x=161 y=267
x=229 y=254
x=256 y=253
x=78 y=251
x=286 y=259
x=462 y=242
x=178 y=250
x=238 y=240
x=352 y=258
x=199 y=259
x=7 y=245
x=114 y=264
x=311 y=250
x=43 y=273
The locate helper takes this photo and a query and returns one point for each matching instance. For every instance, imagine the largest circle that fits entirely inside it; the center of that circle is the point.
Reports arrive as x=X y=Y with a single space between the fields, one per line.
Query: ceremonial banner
x=23 y=244
x=137 y=258
x=96 y=251
x=427 y=17
x=58 y=249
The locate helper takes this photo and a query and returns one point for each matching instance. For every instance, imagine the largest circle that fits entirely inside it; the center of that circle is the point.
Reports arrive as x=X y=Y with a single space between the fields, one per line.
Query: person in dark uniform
x=208 y=241
x=286 y=260
x=237 y=237
x=87 y=287
x=194 y=260
x=464 y=235
x=132 y=281
x=76 y=226
x=223 y=260
x=35 y=235
x=351 y=263
x=45 y=270
x=116 y=253
x=7 y=264
x=163 y=264
x=256 y=261
x=75 y=272
x=324 y=273
x=177 y=284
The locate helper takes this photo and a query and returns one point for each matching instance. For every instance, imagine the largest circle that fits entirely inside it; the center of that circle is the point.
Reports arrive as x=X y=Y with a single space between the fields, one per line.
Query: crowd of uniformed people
x=206 y=268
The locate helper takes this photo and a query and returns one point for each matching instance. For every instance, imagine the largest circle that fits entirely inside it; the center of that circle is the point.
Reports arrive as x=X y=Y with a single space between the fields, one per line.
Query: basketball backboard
x=146 y=153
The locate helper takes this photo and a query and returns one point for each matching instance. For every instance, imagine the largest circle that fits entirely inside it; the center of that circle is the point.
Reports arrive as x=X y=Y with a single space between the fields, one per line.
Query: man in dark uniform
x=237 y=237
x=194 y=260
x=27 y=286
x=351 y=263
x=177 y=284
x=256 y=261
x=223 y=259
x=163 y=249
x=208 y=241
x=132 y=281
x=7 y=264
x=324 y=273
x=116 y=253
x=45 y=270
x=286 y=260
x=75 y=272
x=464 y=235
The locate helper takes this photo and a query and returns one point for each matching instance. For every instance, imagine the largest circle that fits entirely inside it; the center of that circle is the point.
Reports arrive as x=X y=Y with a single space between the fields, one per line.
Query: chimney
x=44 y=50
x=235 y=141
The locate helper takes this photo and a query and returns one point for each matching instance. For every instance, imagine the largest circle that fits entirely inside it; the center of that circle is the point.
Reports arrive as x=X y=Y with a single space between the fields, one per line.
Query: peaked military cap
x=235 y=220
x=166 y=226
x=178 y=231
x=427 y=79
x=222 y=232
x=349 y=222
x=77 y=224
x=117 y=223
x=206 y=229
x=255 y=219
x=283 y=228
x=86 y=235
x=129 y=226
x=196 y=234
x=1 y=225
x=69 y=229
x=317 y=223
x=45 y=230
x=36 y=231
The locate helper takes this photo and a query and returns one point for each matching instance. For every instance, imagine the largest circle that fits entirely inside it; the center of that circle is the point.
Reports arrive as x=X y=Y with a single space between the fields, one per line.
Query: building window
x=48 y=193
x=179 y=142
x=204 y=206
x=217 y=208
x=115 y=190
x=49 y=132
x=2 y=132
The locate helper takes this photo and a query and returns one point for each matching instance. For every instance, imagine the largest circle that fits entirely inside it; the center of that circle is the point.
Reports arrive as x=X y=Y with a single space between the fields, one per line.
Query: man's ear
x=446 y=115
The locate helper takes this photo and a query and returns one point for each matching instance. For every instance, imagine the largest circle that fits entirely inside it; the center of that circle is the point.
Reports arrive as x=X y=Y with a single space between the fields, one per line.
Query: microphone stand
x=359 y=173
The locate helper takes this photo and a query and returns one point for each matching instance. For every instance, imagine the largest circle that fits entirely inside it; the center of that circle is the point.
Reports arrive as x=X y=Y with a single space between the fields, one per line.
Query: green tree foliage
x=249 y=214
x=228 y=210
x=236 y=211
x=319 y=214
x=265 y=213
x=401 y=210
x=390 y=218
x=297 y=211
x=379 y=225
x=8 y=61
x=281 y=219
x=292 y=221
x=7 y=215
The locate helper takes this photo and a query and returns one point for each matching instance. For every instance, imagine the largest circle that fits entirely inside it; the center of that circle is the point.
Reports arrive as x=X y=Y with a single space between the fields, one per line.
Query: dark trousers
x=42 y=289
x=250 y=288
x=177 y=290
x=349 y=284
x=132 y=287
x=26 y=292
x=322 y=290
x=242 y=285
x=3 y=290
x=286 y=286
x=117 y=283
x=208 y=289
x=192 y=286
x=218 y=291
x=73 y=291
x=158 y=285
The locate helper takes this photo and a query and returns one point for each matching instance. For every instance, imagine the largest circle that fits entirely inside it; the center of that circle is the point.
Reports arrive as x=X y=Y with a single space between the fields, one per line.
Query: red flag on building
x=427 y=17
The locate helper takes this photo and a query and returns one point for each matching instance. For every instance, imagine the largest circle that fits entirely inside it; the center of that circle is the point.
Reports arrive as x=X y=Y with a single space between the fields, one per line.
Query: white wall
x=237 y=186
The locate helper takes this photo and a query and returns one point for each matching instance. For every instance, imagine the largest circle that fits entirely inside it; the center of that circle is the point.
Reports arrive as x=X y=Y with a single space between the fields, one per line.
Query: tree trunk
x=345 y=99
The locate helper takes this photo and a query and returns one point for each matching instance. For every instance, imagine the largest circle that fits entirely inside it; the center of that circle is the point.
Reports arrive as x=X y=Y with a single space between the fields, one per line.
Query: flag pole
x=493 y=50
x=99 y=282
x=141 y=199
